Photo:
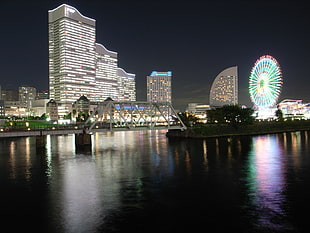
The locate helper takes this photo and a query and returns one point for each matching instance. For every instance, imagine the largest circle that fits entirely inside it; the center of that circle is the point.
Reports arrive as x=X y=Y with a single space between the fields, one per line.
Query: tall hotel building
x=80 y=66
x=224 y=90
x=159 y=87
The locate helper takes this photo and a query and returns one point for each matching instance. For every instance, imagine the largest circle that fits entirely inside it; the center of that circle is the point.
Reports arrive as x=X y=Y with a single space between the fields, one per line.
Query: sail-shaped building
x=224 y=90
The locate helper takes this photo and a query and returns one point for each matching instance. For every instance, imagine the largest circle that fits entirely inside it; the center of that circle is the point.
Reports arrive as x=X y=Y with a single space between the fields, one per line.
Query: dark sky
x=196 y=40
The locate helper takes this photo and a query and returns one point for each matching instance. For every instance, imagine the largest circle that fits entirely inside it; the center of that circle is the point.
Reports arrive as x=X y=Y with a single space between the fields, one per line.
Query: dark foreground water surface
x=140 y=181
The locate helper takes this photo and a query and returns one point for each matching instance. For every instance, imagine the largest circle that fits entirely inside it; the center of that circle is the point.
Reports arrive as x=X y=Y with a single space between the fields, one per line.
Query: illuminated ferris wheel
x=265 y=81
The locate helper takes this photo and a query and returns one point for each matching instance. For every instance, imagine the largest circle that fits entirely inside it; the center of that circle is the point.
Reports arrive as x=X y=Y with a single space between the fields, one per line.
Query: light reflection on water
x=266 y=181
x=94 y=182
x=131 y=179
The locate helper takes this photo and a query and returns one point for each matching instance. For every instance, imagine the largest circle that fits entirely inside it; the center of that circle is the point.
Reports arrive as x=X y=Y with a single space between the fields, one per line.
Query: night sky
x=195 y=40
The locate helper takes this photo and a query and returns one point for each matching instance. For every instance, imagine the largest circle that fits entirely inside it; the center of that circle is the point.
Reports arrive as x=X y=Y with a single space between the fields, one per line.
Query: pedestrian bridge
x=128 y=115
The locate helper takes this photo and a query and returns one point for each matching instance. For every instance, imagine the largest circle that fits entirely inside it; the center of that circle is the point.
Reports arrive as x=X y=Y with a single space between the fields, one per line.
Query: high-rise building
x=126 y=85
x=72 y=65
x=77 y=64
x=224 y=90
x=106 y=74
x=159 y=87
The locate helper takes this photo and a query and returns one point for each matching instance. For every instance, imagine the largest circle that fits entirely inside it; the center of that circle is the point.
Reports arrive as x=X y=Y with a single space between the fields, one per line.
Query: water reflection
x=91 y=188
x=267 y=182
x=141 y=180
x=20 y=160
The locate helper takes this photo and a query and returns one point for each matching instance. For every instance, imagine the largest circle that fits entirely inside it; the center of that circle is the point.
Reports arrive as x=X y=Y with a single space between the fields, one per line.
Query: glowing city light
x=265 y=81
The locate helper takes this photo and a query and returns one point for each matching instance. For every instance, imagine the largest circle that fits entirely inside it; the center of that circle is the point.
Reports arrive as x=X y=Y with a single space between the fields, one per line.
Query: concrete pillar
x=82 y=140
x=40 y=141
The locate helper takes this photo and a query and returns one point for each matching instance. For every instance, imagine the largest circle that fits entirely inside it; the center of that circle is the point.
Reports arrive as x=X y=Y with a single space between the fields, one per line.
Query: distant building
x=224 y=90
x=77 y=64
x=159 y=87
x=198 y=109
x=27 y=96
x=9 y=95
x=2 y=109
x=42 y=95
x=39 y=107
x=292 y=108
x=15 y=109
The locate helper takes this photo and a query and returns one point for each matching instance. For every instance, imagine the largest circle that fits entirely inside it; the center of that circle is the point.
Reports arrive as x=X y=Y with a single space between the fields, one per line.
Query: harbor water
x=141 y=181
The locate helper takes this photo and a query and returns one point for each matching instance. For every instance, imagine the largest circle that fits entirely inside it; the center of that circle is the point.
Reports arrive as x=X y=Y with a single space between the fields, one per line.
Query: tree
x=279 y=114
x=68 y=116
x=43 y=116
x=82 y=116
x=187 y=118
x=232 y=115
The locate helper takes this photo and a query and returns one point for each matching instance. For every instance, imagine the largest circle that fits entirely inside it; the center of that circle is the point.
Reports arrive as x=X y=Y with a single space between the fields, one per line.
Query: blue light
x=155 y=73
x=128 y=107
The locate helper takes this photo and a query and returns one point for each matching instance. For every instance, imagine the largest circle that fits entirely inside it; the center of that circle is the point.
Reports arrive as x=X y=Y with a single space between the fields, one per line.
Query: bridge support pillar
x=82 y=140
x=40 y=141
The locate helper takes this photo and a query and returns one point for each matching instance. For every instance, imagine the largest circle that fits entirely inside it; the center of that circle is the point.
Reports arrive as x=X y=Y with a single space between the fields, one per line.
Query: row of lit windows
x=76 y=29
x=70 y=39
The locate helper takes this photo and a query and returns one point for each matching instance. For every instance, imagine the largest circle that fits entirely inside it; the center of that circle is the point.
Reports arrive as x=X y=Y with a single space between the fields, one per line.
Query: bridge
x=132 y=115
x=115 y=116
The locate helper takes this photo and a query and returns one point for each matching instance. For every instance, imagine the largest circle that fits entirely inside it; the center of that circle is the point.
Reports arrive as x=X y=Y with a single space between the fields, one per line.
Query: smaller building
x=27 y=96
x=199 y=110
x=52 y=110
x=42 y=95
x=39 y=107
x=15 y=109
x=2 y=109
x=9 y=95
x=80 y=109
x=292 y=108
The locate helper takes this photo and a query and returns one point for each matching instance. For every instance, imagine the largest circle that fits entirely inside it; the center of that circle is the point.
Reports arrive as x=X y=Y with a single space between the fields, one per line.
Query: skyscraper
x=72 y=64
x=77 y=64
x=159 y=87
x=126 y=85
x=106 y=74
x=224 y=90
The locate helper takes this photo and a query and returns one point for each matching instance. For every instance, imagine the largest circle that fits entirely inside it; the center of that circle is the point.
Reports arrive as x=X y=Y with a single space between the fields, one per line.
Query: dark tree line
x=232 y=115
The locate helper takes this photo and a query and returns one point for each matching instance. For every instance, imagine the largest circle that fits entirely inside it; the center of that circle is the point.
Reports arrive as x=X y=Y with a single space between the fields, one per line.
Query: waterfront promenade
x=66 y=131
x=29 y=133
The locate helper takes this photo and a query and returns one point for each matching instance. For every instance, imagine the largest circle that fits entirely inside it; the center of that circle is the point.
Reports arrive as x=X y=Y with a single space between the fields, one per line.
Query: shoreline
x=192 y=132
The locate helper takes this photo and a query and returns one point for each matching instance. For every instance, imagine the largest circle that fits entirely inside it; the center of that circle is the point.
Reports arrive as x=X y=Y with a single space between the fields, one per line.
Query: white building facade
x=72 y=61
x=126 y=85
x=224 y=89
x=77 y=64
x=106 y=74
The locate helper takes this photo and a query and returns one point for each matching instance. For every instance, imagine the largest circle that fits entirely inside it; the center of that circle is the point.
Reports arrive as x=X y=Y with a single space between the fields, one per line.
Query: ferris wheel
x=265 y=81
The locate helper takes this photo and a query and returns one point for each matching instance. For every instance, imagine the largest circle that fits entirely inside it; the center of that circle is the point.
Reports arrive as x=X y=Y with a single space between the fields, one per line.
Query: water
x=140 y=181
